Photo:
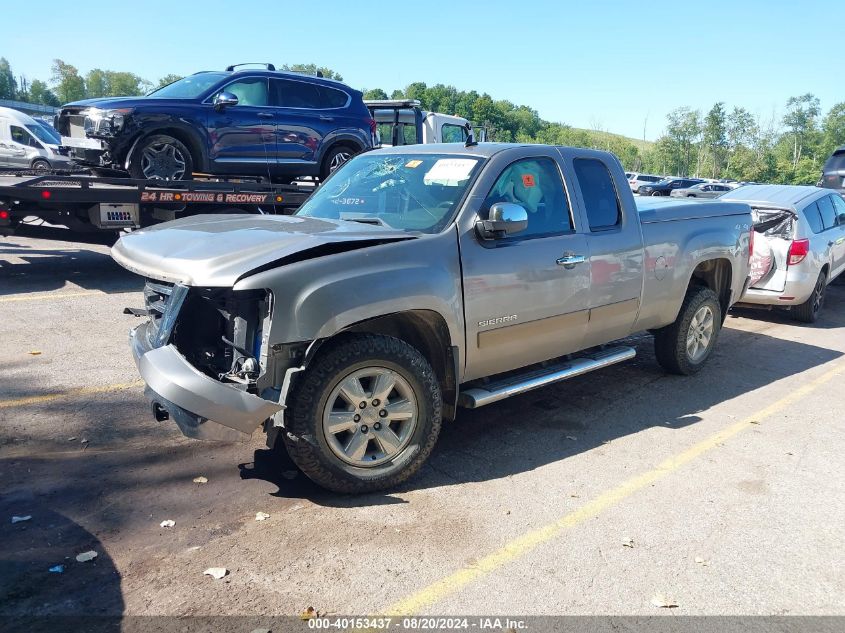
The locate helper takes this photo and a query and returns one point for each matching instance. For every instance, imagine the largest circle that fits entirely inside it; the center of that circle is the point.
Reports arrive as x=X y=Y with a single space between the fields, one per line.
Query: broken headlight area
x=223 y=334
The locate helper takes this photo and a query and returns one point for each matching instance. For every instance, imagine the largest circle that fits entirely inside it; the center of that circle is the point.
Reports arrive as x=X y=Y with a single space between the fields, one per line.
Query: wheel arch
x=186 y=137
x=425 y=330
x=716 y=274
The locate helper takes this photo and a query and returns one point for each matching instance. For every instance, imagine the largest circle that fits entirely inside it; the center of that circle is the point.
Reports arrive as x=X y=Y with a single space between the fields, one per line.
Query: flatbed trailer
x=94 y=204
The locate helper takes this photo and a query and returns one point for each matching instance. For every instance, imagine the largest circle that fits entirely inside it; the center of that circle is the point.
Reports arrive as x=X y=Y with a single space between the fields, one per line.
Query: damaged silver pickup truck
x=415 y=281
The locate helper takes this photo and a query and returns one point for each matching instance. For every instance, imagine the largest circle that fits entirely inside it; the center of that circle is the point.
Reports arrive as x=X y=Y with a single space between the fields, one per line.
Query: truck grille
x=163 y=301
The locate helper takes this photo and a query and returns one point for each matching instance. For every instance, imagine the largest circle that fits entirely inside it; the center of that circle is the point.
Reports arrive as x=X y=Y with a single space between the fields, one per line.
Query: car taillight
x=4 y=215
x=372 y=124
x=751 y=245
x=798 y=251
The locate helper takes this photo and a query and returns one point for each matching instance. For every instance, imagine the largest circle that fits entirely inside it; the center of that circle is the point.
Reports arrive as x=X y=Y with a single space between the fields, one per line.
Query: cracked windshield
x=412 y=192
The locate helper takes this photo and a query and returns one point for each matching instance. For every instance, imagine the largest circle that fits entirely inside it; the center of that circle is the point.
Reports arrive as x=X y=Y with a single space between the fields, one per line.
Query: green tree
x=800 y=118
x=40 y=93
x=682 y=132
x=168 y=79
x=125 y=84
x=8 y=85
x=740 y=132
x=833 y=129
x=69 y=85
x=375 y=93
x=97 y=83
x=311 y=69
x=716 y=137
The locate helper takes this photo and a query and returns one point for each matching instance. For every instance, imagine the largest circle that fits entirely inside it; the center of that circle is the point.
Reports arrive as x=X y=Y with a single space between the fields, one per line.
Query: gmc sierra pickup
x=417 y=280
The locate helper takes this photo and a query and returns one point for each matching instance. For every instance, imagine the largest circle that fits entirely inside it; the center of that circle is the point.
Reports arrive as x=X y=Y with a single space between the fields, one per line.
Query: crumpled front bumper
x=203 y=408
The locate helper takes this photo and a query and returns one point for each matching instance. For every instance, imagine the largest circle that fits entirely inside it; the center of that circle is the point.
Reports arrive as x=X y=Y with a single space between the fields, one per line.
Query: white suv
x=635 y=179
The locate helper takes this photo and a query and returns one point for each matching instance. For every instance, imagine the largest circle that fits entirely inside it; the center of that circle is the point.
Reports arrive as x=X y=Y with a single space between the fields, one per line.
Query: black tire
x=306 y=440
x=330 y=159
x=40 y=165
x=808 y=312
x=142 y=168
x=656 y=193
x=670 y=342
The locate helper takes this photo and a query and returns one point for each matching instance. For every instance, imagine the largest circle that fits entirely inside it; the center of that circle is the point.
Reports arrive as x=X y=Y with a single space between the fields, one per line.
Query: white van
x=29 y=144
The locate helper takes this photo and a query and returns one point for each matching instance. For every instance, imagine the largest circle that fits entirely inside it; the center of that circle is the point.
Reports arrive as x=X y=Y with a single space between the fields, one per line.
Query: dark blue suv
x=280 y=125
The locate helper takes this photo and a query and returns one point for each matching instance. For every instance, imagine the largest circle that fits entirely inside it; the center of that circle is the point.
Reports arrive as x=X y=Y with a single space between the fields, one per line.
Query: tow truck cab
x=404 y=122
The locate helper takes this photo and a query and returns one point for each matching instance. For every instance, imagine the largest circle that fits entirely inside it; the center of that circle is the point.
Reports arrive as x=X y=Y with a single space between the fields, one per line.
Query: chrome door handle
x=265 y=115
x=569 y=260
x=325 y=117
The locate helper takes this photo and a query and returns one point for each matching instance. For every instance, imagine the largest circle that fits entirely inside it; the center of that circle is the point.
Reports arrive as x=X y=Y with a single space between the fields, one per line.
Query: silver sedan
x=701 y=190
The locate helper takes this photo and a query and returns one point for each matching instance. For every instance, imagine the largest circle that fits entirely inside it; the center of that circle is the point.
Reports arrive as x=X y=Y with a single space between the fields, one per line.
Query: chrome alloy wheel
x=162 y=161
x=338 y=160
x=700 y=334
x=370 y=417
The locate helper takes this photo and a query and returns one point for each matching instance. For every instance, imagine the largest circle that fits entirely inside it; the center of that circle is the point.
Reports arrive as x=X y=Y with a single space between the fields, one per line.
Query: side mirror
x=506 y=218
x=224 y=100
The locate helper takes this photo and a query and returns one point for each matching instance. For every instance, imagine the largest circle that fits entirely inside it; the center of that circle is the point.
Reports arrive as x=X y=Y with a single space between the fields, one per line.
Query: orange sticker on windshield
x=527 y=180
x=413 y=163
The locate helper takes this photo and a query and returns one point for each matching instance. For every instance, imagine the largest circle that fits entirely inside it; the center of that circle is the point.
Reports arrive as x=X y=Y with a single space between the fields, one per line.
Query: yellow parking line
x=69 y=393
x=52 y=295
x=522 y=545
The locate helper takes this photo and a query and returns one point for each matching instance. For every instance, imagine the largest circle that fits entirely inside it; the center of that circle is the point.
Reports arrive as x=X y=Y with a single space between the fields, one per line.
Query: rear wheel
x=336 y=156
x=685 y=345
x=808 y=312
x=161 y=157
x=365 y=415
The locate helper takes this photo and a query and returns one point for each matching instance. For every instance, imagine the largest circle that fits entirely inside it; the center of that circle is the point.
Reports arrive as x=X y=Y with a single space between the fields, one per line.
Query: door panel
x=242 y=137
x=521 y=306
x=301 y=120
x=616 y=258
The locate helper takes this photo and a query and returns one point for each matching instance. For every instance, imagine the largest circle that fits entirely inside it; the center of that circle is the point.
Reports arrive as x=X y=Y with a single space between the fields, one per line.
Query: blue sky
x=608 y=64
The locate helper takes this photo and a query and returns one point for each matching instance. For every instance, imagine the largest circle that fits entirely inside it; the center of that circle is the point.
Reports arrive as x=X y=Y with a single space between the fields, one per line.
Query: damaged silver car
x=799 y=246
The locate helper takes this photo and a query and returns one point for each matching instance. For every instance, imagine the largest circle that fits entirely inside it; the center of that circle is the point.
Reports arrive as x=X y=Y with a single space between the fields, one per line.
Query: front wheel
x=656 y=193
x=808 y=312
x=40 y=165
x=161 y=157
x=685 y=345
x=365 y=415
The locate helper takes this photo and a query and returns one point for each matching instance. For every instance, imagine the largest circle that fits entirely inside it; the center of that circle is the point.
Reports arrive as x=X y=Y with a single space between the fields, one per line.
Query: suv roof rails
x=233 y=66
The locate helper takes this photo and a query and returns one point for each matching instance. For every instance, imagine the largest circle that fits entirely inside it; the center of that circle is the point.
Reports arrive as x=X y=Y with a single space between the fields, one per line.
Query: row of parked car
x=651 y=185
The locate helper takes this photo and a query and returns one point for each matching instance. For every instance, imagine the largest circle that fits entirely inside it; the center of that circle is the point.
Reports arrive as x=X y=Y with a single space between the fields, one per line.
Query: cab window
x=603 y=208
x=250 y=91
x=20 y=135
x=450 y=133
x=536 y=185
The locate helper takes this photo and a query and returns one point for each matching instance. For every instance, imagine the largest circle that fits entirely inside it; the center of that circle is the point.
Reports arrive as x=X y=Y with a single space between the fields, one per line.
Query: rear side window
x=835 y=162
x=814 y=218
x=603 y=208
x=331 y=98
x=827 y=211
x=295 y=94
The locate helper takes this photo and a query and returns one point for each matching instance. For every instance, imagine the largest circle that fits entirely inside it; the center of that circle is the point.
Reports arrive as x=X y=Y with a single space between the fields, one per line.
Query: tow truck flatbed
x=88 y=203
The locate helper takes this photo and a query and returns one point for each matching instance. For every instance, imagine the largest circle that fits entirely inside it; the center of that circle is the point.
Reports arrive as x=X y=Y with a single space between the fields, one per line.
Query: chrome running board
x=536 y=378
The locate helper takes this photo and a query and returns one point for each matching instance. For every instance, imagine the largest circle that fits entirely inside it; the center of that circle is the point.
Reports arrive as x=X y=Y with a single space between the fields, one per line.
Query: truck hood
x=217 y=250
x=108 y=103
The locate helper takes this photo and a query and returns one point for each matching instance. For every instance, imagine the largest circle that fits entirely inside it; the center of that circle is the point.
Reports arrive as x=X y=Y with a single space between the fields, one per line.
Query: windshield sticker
x=413 y=164
x=527 y=180
x=450 y=171
x=348 y=201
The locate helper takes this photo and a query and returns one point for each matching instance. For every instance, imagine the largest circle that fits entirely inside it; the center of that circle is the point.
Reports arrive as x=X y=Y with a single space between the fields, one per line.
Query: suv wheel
x=40 y=165
x=808 y=312
x=336 y=156
x=365 y=415
x=161 y=157
x=656 y=193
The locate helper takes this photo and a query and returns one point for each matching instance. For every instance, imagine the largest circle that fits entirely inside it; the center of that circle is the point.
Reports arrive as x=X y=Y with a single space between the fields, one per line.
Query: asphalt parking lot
x=721 y=493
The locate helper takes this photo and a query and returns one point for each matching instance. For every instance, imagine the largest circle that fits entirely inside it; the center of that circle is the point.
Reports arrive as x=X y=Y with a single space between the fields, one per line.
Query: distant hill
x=639 y=143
